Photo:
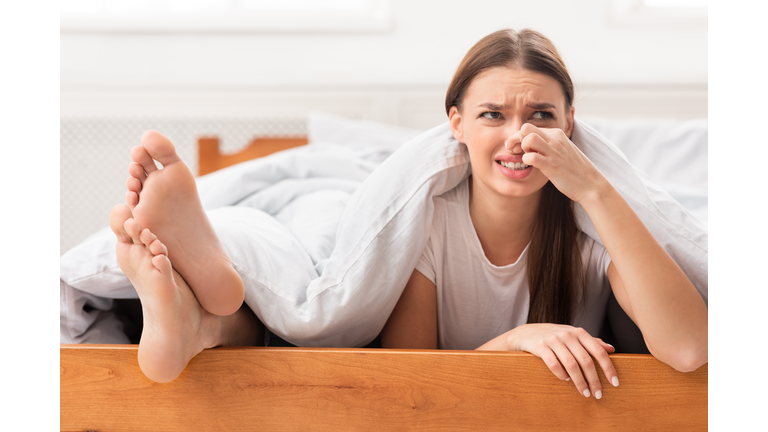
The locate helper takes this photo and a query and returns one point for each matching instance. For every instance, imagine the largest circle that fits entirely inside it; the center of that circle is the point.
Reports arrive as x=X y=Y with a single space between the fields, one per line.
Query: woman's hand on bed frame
x=566 y=350
x=413 y=324
x=648 y=284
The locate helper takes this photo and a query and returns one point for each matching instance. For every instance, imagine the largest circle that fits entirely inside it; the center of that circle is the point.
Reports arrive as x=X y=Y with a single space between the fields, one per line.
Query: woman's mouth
x=517 y=166
x=514 y=170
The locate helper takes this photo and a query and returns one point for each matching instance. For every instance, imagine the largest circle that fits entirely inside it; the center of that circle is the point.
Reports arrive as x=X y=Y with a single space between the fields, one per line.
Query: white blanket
x=325 y=243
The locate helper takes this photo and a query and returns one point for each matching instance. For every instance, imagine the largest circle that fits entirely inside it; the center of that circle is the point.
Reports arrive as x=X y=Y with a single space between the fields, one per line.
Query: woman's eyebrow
x=497 y=107
x=492 y=106
x=540 y=106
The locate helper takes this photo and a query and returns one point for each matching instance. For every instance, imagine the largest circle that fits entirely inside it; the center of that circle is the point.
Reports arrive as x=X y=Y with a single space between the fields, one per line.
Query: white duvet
x=326 y=236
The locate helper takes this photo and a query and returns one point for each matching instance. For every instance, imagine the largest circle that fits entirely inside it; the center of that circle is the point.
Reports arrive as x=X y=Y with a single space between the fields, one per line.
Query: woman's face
x=496 y=105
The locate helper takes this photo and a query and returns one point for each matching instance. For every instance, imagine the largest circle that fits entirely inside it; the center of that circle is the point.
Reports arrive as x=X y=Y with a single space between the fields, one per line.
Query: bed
x=239 y=388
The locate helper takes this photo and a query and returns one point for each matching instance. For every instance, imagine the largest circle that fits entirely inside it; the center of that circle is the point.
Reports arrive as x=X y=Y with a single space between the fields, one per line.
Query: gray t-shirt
x=476 y=300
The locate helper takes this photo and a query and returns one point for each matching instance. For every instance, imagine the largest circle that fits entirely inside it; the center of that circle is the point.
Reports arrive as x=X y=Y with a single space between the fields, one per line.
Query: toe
x=133 y=184
x=158 y=248
x=147 y=237
x=159 y=147
x=120 y=213
x=136 y=170
x=133 y=229
x=140 y=156
x=131 y=198
x=162 y=263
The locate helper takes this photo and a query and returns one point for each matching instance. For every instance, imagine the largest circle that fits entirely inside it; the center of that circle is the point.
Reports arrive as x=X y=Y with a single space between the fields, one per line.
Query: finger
x=535 y=159
x=550 y=359
x=554 y=133
x=534 y=143
x=608 y=347
x=513 y=141
x=570 y=364
x=529 y=128
x=587 y=365
x=597 y=348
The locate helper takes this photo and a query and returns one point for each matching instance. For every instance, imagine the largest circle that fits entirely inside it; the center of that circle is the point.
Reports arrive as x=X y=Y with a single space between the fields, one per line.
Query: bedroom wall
x=397 y=75
x=115 y=85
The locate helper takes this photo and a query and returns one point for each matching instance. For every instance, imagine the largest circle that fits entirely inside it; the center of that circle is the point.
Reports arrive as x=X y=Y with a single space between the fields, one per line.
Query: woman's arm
x=413 y=323
x=648 y=284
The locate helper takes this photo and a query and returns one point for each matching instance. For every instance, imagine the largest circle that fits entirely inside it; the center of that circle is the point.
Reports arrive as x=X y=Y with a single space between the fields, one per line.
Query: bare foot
x=176 y=328
x=167 y=203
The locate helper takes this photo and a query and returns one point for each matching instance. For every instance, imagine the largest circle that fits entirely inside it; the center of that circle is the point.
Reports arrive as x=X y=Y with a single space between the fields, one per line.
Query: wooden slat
x=308 y=389
x=210 y=159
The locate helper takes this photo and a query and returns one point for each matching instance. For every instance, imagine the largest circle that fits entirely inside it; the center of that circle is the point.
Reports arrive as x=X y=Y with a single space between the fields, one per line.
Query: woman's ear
x=454 y=119
x=569 y=122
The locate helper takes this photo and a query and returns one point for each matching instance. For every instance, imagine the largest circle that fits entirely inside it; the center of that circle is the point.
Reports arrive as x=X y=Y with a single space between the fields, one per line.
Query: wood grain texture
x=210 y=159
x=308 y=389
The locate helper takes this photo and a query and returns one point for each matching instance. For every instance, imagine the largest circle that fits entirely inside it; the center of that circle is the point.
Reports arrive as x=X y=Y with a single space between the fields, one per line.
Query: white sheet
x=672 y=153
x=330 y=275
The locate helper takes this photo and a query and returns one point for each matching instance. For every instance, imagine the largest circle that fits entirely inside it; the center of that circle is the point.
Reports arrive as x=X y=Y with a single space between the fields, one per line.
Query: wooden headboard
x=316 y=389
x=210 y=159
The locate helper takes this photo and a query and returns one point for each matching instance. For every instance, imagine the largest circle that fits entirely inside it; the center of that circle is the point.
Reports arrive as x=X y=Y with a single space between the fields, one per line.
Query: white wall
x=378 y=75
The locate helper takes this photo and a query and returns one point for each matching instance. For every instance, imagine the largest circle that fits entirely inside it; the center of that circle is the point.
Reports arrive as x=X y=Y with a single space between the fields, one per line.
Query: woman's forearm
x=499 y=343
x=652 y=288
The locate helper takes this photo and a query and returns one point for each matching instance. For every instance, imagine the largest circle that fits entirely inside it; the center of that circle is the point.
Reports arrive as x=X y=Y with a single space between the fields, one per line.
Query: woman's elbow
x=688 y=360
x=690 y=365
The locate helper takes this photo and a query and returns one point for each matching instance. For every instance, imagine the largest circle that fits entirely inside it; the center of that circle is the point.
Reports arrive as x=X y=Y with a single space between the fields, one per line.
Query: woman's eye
x=542 y=115
x=491 y=115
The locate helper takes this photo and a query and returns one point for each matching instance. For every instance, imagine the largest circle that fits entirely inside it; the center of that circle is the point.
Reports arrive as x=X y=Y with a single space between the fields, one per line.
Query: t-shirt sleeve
x=597 y=258
x=604 y=260
x=426 y=264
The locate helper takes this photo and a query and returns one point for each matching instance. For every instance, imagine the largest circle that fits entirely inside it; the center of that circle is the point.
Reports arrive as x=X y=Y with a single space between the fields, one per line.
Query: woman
x=506 y=267
x=511 y=104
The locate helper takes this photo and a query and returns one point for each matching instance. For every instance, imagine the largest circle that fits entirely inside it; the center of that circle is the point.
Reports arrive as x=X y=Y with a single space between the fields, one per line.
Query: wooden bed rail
x=309 y=389
x=211 y=159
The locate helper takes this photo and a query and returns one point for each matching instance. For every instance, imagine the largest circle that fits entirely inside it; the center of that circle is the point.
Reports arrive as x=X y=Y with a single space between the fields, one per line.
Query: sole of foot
x=167 y=203
x=176 y=328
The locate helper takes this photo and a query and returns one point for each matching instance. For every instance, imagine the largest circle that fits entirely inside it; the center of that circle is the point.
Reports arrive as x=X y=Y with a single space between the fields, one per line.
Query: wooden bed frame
x=308 y=389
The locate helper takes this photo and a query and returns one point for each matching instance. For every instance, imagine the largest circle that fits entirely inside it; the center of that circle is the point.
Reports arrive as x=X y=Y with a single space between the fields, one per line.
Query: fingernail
x=615 y=381
x=568 y=379
x=614 y=348
x=586 y=393
x=598 y=394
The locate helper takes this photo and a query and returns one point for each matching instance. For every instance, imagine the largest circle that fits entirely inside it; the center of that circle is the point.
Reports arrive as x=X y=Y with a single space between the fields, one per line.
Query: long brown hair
x=555 y=270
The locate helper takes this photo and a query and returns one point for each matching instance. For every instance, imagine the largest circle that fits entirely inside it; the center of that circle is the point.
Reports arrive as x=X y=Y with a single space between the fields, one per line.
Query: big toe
x=159 y=147
x=120 y=213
